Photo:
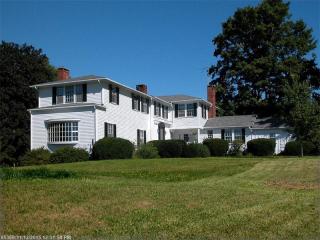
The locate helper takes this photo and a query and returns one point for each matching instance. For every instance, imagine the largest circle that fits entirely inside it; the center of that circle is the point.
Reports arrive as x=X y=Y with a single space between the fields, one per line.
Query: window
x=113 y=94
x=81 y=93
x=135 y=102
x=69 y=94
x=210 y=133
x=228 y=135
x=59 y=95
x=272 y=135
x=141 y=137
x=181 y=110
x=110 y=130
x=238 y=134
x=145 y=105
x=166 y=110
x=62 y=132
x=186 y=137
x=157 y=109
x=192 y=110
x=203 y=111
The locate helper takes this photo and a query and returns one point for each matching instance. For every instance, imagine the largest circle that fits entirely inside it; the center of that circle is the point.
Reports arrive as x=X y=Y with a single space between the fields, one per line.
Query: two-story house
x=79 y=111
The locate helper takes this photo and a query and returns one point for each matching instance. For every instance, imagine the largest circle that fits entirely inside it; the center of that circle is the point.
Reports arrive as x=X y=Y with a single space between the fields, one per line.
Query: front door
x=161 y=131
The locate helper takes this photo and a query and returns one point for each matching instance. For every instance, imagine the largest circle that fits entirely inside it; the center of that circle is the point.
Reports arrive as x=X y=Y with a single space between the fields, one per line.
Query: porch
x=190 y=135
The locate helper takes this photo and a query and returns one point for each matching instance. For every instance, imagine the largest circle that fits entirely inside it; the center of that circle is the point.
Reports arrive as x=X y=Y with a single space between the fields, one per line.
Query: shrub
x=36 y=157
x=236 y=148
x=112 y=148
x=169 y=148
x=196 y=150
x=69 y=154
x=217 y=147
x=147 y=151
x=293 y=148
x=261 y=147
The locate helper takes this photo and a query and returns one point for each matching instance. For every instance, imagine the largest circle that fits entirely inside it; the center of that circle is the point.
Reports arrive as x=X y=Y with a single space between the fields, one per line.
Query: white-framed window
x=144 y=105
x=237 y=134
x=69 y=94
x=63 y=132
x=135 y=102
x=79 y=93
x=210 y=133
x=190 y=110
x=110 y=130
x=157 y=109
x=59 y=98
x=204 y=111
x=181 y=110
x=228 y=135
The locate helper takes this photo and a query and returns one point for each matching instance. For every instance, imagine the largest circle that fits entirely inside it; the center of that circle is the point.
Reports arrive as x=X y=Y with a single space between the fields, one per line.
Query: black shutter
x=105 y=129
x=243 y=134
x=132 y=97
x=139 y=102
x=162 y=111
x=145 y=136
x=114 y=130
x=138 y=137
x=54 y=95
x=110 y=93
x=176 y=110
x=155 y=106
x=222 y=133
x=195 y=106
x=148 y=102
x=117 y=90
x=84 y=92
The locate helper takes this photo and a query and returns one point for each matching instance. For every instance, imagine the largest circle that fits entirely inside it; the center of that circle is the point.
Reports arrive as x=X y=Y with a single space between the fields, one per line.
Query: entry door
x=161 y=131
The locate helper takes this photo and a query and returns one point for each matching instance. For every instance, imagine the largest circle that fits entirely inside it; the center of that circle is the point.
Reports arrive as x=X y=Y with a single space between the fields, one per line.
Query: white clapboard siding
x=189 y=122
x=85 y=115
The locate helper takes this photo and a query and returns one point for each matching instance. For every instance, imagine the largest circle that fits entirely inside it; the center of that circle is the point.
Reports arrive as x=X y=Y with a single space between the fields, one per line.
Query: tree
x=256 y=52
x=20 y=67
x=303 y=113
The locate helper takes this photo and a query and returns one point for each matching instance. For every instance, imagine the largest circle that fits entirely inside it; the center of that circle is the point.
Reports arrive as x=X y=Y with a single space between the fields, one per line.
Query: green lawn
x=213 y=198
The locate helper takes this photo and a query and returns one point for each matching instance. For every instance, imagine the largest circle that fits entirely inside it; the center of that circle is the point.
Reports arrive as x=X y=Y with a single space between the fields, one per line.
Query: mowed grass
x=213 y=198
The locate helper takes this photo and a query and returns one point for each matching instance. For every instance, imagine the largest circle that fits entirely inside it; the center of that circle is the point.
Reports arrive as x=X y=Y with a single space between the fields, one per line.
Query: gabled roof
x=251 y=121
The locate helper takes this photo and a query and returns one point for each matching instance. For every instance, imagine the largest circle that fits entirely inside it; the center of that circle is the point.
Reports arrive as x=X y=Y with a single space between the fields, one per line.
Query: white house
x=79 y=111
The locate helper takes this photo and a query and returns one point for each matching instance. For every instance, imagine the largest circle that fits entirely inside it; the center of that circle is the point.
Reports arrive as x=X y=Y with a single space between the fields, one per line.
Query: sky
x=164 y=44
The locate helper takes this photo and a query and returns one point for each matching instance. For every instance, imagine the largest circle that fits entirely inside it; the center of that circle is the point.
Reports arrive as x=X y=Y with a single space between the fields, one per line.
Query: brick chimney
x=142 y=88
x=212 y=98
x=63 y=73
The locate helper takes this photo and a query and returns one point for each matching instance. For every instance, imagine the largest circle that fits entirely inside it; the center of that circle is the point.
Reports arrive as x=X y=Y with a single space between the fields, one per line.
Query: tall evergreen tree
x=20 y=67
x=257 y=51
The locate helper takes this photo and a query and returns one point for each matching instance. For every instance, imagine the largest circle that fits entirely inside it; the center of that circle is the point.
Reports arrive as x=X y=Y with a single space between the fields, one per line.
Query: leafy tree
x=20 y=67
x=256 y=52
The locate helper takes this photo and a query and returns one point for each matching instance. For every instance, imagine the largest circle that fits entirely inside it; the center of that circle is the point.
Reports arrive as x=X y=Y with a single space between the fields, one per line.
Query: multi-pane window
x=60 y=132
x=186 y=137
x=60 y=95
x=181 y=110
x=136 y=102
x=145 y=105
x=228 y=135
x=237 y=134
x=203 y=111
x=110 y=130
x=79 y=93
x=141 y=137
x=192 y=110
x=210 y=133
x=69 y=94
x=113 y=94
x=157 y=109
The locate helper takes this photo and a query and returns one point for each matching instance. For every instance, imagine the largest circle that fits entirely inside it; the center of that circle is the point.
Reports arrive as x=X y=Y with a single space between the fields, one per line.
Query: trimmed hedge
x=147 y=151
x=196 y=150
x=69 y=154
x=216 y=146
x=36 y=157
x=112 y=148
x=169 y=148
x=293 y=148
x=261 y=147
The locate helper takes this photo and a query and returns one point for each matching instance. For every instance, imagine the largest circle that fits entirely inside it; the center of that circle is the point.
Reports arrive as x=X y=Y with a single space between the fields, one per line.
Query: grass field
x=213 y=198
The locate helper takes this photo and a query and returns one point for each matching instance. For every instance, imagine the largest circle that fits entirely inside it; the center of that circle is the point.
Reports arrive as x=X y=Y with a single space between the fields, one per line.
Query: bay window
x=63 y=132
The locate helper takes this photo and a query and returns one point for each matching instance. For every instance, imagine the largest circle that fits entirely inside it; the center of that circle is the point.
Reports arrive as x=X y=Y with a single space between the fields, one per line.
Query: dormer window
x=69 y=94
x=60 y=95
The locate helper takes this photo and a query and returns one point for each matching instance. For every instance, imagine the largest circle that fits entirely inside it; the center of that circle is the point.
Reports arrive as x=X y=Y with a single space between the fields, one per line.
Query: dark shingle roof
x=230 y=121
x=177 y=98
x=244 y=121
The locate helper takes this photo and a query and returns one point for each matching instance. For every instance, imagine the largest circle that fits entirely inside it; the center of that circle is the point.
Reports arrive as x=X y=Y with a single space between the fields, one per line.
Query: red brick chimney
x=212 y=98
x=63 y=73
x=142 y=88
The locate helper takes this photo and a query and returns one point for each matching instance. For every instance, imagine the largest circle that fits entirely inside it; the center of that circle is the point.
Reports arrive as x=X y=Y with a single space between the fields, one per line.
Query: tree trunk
x=301 y=149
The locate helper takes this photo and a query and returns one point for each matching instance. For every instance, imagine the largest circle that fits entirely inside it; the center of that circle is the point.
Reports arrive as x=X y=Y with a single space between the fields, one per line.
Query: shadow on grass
x=11 y=173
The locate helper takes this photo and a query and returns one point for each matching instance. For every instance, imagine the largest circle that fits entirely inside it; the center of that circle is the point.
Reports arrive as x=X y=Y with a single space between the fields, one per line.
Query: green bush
x=169 y=148
x=217 y=147
x=36 y=157
x=261 y=147
x=69 y=154
x=147 y=151
x=196 y=150
x=236 y=148
x=112 y=148
x=293 y=148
